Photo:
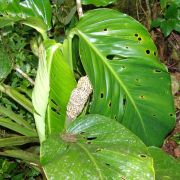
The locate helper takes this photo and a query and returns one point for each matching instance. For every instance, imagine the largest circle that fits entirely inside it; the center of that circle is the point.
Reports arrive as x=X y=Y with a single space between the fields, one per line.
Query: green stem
x=70 y=61
x=24 y=74
x=44 y=35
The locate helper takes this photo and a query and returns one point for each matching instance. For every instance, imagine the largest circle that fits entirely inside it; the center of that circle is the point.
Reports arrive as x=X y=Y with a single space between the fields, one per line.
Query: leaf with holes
x=98 y=2
x=53 y=86
x=130 y=84
x=35 y=13
x=95 y=147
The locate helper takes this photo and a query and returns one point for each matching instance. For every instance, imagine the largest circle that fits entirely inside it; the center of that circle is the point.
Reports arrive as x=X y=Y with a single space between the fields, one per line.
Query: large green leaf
x=98 y=2
x=41 y=93
x=53 y=86
x=166 y=167
x=62 y=82
x=130 y=84
x=35 y=13
x=95 y=147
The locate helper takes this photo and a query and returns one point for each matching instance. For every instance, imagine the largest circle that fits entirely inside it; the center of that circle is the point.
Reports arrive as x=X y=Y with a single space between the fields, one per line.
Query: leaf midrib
x=116 y=77
x=92 y=159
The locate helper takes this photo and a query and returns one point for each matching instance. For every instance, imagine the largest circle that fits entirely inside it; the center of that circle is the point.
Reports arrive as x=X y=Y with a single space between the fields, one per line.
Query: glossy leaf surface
x=62 y=82
x=35 y=13
x=98 y=2
x=53 y=86
x=166 y=167
x=130 y=84
x=95 y=147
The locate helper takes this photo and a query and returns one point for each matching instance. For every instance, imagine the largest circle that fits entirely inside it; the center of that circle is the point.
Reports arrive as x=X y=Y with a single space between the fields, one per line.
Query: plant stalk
x=79 y=8
x=24 y=75
x=148 y=14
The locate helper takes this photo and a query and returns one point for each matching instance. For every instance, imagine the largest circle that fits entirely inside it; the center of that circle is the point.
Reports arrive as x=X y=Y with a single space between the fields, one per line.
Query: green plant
x=170 y=17
x=176 y=138
x=12 y=170
x=127 y=105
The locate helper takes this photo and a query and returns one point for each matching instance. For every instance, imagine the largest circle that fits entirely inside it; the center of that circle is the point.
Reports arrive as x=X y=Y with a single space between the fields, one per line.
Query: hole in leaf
x=142 y=155
x=107 y=164
x=142 y=97
x=136 y=35
x=155 y=53
x=82 y=132
x=52 y=100
x=88 y=142
x=98 y=149
x=115 y=117
x=154 y=115
x=110 y=57
x=147 y=51
x=123 y=67
x=127 y=47
x=102 y=95
x=105 y=29
x=91 y=138
x=110 y=104
x=157 y=70
x=171 y=114
x=55 y=110
x=124 y=101
x=139 y=39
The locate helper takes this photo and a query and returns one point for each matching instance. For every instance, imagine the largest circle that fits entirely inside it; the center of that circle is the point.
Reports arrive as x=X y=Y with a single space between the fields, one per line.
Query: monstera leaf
x=166 y=167
x=96 y=147
x=35 y=13
x=98 y=2
x=53 y=86
x=130 y=84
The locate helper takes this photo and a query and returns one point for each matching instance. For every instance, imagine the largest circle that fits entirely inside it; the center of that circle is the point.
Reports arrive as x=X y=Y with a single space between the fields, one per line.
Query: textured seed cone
x=78 y=98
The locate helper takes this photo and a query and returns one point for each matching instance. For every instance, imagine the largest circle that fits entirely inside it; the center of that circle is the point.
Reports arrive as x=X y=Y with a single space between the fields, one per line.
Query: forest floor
x=169 y=52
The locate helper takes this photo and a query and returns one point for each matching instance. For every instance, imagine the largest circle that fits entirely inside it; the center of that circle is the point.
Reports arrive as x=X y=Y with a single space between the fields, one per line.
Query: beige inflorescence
x=78 y=98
